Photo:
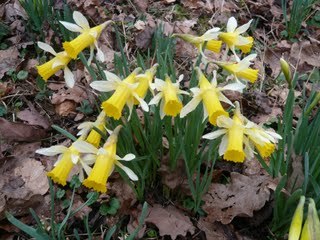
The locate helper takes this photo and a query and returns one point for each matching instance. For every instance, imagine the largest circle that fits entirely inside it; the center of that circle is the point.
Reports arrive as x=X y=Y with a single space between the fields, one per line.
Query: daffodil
x=263 y=140
x=60 y=61
x=233 y=39
x=86 y=128
x=124 y=93
x=68 y=157
x=210 y=37
x=144 y=80
x=296 y=223
x=106 y=159
x=211 y=95
x=311 y=227
x=87 y=38
x=168 y=94
x=241 y=70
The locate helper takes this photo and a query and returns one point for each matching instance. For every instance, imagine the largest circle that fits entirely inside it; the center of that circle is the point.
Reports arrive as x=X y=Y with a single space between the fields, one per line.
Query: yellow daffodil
x=60 y=61
x=296 y=223
x=144 y=81
x=87 y=38
x=233 y=39
x=106 y=159
x=210 y=37
x=311 y=227
x=239 y=132
x=86 y=128
x=231 y=146
x=211 y=95
x=241 y=70
x=68 y=157
x=168 y=94
x=124 y=93
x=263 y=140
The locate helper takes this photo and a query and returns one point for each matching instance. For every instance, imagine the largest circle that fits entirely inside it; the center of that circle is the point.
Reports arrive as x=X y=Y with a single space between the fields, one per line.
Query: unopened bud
x=311 y=228
x=296 y=223
x=286 y=70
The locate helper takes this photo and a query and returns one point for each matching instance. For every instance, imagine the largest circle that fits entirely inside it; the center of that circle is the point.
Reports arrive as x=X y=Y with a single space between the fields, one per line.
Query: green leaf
x=75 y=182
x=22 y=75
x=60 y=193
x=64 y=132
x=93 y=196
x=3 y=111
x=65 y=203
x=27 y=229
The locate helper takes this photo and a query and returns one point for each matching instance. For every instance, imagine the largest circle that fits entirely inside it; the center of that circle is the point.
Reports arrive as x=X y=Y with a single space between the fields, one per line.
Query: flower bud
x=296 y=223
x=286 y=70
x=311 y=228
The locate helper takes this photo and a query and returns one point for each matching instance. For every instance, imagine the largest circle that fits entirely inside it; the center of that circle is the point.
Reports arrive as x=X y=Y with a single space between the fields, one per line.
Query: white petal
x=91 y=54
x=190 y=106
x=81 y=175
x=75 y=158
x=205 y=114
x=127 y=157
x=57 y=63
x=244 y=27
x=85 y=125
x=47 y=48
x=143 y=104
x=232 y=24
x=128 y=171
x=223 y=98
x=242 y=41
x=249 y=152
x=71 y=26
x=195 y=91
x=69 y=78
x=159 y=84
x=224 y=122
x=130 y=104
x=162 y=114
x=89 y=159
x=156 y=99
x=215 y=134
x=214 y=79
x=223 y=145
x=211 y=34
x=85 y=167
x=100 y=55
x=274 y=135
x=85 y=147
x=52 y=151
x=112 y=77
x=243 y=65
x=234 y=87
x=250 y=57
x=104 y=86
x=180 y=78
x=81 y=20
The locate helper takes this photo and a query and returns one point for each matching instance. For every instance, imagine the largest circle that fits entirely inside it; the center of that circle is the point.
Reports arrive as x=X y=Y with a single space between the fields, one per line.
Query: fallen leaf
x=11 y=131
x=143 y=38
x=213 y=230
x=9 y=60
x=142 y=5
x=241 y=197
x=23 y=183
x=170 y=221
x=33 y=117
x=296 y=178
x=84 y=210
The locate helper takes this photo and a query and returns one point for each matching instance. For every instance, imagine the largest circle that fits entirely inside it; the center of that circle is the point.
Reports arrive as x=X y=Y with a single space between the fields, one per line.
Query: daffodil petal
x=47 y=48
x=71 y=26
x=104 y=86
x=127 y=157
x=223 y=145
x=128 y=171
x=85 y=147
x=243 y=28
x=215 y=134
x=52 y=151
x=81 y=20
x=231 y=24
x=190 y=106
x=69 y=78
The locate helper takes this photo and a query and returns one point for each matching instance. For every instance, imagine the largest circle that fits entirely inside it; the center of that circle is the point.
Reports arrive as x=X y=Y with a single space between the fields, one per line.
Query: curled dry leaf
x=23 y=183
x=11 y=131
x=241 y=197
x=170 y=221
x=213 y=230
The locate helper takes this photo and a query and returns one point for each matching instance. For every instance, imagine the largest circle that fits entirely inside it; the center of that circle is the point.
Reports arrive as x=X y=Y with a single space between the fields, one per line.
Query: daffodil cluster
x=96 y=162
x=88 y=38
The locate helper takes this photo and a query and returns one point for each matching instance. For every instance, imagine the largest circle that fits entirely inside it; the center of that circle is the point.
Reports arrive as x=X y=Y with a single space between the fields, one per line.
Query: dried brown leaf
x=11 y=131
x=170 y=221
x=23 y=183
x=9 y=60
x=33 y=117
x=241 y=197
x=213 y=230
